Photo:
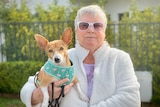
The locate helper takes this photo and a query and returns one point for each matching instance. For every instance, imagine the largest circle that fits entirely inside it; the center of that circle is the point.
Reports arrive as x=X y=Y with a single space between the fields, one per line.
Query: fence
x=18 y=43
x=140 y=40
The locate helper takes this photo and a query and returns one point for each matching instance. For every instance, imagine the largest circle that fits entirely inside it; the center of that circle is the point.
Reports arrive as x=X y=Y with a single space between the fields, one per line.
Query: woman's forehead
x=90 y=17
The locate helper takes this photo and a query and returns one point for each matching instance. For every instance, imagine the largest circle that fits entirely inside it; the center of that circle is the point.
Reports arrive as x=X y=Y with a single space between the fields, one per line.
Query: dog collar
x=59 y=72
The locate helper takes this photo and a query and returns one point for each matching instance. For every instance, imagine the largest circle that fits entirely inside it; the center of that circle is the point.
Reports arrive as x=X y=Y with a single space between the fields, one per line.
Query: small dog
x=57 y=55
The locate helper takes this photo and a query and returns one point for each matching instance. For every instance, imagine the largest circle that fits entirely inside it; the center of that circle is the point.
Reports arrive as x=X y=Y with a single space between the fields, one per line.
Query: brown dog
x=57 y=55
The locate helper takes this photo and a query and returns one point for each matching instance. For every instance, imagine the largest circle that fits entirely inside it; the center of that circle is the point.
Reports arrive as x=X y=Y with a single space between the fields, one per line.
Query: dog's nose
x=57 y=60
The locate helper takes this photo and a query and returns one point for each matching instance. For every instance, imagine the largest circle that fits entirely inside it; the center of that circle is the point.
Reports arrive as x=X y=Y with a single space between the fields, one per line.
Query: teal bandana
x=59 y=72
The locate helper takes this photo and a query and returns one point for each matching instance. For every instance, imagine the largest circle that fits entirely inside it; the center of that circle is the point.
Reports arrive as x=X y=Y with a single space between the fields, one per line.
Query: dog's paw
x=81 y=94
x=84 y=98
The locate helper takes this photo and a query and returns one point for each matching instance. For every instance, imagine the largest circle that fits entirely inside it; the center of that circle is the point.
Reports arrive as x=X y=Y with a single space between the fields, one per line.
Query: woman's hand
x=37 y=95
x=57 y=88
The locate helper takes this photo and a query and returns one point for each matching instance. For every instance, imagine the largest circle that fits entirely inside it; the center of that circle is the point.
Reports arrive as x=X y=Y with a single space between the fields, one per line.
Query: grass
x=10 y=102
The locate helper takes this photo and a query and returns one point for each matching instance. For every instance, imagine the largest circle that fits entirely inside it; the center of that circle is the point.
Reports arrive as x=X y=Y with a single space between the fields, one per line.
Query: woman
x=106 y=75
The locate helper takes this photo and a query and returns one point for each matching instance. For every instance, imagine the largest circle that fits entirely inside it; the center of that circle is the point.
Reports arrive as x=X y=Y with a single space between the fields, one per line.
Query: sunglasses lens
x=83 y=26
x=98 y=26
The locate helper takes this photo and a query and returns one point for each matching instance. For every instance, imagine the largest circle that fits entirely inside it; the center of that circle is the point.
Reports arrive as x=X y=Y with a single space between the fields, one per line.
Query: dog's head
x=57 y=49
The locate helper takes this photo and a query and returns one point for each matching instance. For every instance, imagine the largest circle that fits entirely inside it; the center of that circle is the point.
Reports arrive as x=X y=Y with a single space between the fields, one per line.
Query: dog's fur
x=57 y=53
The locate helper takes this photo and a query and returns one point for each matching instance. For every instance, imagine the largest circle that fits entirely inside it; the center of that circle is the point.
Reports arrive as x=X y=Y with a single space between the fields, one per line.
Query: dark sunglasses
x=85 y=25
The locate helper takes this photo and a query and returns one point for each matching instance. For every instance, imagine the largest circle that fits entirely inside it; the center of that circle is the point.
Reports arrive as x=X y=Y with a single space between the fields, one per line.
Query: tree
x=81 y=3
x=20 y=25
x=3 y=9
x=142 y=34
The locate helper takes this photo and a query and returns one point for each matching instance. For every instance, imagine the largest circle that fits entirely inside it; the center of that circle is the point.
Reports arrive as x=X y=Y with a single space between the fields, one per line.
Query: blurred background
x=133 y=26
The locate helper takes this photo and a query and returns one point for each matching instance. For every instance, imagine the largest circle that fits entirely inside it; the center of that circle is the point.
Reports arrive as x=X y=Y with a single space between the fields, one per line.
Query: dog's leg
x=81 y=94
x=45 y=96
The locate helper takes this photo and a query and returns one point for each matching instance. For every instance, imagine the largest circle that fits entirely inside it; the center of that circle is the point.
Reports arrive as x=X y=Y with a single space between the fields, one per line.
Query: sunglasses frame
x=90 y=24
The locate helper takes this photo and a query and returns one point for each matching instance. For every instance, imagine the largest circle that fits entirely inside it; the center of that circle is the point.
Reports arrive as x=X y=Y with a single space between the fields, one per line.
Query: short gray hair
x=93 y=10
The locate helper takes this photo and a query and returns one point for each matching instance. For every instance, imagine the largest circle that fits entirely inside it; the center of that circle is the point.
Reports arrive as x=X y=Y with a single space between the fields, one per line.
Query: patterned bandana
x=59 y=72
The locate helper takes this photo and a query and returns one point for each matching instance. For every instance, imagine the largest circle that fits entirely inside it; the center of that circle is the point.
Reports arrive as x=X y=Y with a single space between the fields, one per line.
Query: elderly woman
x=106 y=75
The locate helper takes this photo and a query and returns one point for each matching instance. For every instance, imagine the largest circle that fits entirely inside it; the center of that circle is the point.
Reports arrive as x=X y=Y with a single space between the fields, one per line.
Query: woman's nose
x=91 y=28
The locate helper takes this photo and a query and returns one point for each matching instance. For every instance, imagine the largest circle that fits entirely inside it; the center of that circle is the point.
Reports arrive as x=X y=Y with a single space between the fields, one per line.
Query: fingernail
x=67 y=79
x=71 y=84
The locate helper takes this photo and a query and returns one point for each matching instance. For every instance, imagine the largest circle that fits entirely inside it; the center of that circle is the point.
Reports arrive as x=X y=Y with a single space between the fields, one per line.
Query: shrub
x=156 y=85
x=13 y=75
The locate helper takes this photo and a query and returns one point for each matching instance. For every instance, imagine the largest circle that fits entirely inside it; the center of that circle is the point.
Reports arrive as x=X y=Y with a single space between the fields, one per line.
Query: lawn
x=10 y=102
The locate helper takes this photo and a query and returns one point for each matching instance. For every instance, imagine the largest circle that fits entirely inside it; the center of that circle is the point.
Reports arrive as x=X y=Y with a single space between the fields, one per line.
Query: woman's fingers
x=60 y=82
x=57 y=88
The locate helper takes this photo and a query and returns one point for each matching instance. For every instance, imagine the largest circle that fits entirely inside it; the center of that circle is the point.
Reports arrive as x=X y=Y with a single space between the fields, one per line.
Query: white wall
x=145 y=81
x=2 y=41
x=114 y=7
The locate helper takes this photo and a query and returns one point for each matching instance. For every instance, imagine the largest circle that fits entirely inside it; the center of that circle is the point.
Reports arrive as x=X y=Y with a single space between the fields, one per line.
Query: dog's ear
x=41 y=41
x=67 y=36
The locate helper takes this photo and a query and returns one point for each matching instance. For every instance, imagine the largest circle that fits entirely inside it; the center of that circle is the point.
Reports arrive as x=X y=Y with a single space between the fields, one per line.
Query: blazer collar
x=99 y=54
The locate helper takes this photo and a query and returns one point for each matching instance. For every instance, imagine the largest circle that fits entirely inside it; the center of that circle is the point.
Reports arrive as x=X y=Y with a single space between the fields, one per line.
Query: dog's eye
x=50 y=50
x=61 y=48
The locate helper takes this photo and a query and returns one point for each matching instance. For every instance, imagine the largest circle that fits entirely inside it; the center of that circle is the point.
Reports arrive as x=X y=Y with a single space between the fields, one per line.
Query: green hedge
x=13 y=75
x=156 y=84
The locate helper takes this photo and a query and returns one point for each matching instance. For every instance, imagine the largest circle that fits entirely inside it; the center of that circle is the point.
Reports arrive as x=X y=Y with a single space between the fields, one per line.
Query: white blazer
x=115 y=83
